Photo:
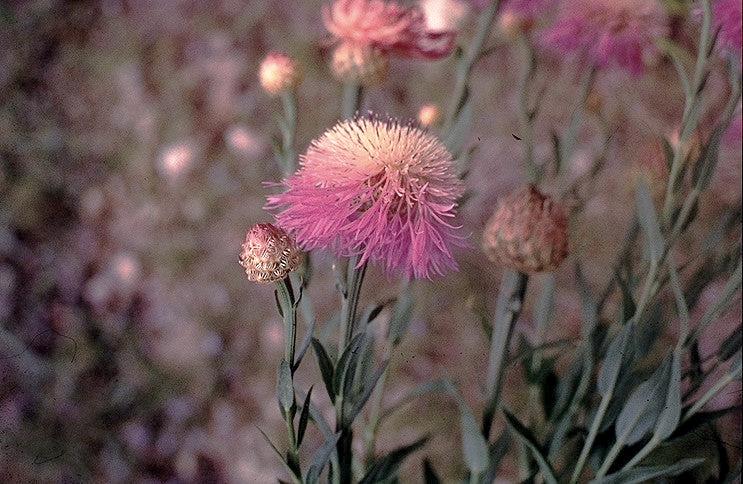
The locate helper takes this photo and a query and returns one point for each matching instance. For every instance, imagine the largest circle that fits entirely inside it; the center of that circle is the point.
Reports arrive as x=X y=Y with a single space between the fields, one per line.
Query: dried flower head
x=387 y=27
x=269 y=254
x=528 y=232
x=728 y=18
x=279 y=73
x=609 y=32
x=360 y=64
x=376 y=189
x=429 y=115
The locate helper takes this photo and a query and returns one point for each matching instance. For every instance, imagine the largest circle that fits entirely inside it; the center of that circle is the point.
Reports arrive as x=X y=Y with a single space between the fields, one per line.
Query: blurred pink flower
x=377 y=189
x=728 y=18
x=386 y=26
x=608 y=32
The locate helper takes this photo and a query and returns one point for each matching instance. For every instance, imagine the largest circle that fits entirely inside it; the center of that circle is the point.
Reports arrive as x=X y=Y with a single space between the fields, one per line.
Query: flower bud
x=429 y=115
x=279 y=73
x=269 y=254
x=528 y=232
x=360 y=64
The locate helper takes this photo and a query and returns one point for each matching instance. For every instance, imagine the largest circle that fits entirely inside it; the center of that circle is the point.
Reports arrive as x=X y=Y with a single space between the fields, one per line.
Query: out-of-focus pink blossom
x=727 y=17
x=527 y=9
x=444 y=15
x=176 y=160
x=609 y=32
x=386 y=26
x=377 y=189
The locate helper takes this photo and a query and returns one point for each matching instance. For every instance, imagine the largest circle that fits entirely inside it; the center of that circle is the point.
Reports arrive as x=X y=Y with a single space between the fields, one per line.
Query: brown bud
x=528 y=232
x=269 y=254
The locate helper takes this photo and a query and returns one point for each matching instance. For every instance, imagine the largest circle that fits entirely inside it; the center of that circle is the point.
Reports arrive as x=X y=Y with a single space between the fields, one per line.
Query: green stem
x=593 y=432
x=689 y=118
x=571 y=135
x=533 y=172
x=721 y=383
x=508 y=308
x=467 y=62
x=288 y=131
x=352 y=99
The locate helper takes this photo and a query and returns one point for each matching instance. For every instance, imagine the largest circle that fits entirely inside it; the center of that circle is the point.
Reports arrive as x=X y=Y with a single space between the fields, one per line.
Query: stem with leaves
x=508 y=308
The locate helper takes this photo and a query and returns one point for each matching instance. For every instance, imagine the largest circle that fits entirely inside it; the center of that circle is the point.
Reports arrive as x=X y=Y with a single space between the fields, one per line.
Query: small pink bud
x=269 y=254
x=528 y=232
x=360 y=64
x=429 y=115
x=279 y=73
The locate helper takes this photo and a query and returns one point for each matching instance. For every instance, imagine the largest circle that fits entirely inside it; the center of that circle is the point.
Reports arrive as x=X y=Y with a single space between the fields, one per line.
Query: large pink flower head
x=609 y=32
x=386 y=26
x=376 y=189
x=727 y=16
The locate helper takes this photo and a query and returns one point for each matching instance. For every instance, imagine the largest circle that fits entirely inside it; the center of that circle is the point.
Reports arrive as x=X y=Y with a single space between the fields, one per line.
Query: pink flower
x=609 y=32
x=379 y=190
x=727 y=16
x=386 y=26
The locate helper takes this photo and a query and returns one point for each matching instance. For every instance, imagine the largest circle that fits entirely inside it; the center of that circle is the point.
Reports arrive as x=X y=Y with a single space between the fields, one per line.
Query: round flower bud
x=528 y=232
x=269 y=254
x=429 y=115
x=360 y=64
x=279 y=73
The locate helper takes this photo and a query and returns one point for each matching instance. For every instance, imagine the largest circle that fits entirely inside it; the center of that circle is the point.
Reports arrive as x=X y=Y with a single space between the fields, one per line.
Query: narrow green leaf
x=671 y=412
x=526 y=437
x=436 y=386
x=285 y=387
x=650 y=474
x=643 y=407
x=304 y=417
x=731 y=345
x=618 y=356
x=320 y=459
x=326 y=367
x=347 y=362
x=359 y=401
x=276 y=451
x=474 y=446
x=648 y=218
x=305 y=344
x=385 y=468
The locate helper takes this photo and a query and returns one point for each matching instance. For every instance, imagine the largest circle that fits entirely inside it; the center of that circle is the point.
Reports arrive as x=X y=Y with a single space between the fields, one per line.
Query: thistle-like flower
x=269 y=254
x=279 y=73
x=528 y=232
x=378 y=190
x=386 y=28
x=608 y=32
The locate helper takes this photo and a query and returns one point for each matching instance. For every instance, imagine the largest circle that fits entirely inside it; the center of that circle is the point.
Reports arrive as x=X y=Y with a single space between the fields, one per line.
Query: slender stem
x=467 y=62
x=352 y=99
x=716 y=388
x=569 y=140
x=286 y=298
x=689 y=119
x=508 y=308
x=533 y=172
x=593 y=432
x=288 y=131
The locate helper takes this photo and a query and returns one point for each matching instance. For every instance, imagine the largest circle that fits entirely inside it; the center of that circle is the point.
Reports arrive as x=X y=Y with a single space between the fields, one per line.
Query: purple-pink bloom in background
x=378 y=190
x=528 y=10
x=727 y=16
x=386 y=26
x=609 y=32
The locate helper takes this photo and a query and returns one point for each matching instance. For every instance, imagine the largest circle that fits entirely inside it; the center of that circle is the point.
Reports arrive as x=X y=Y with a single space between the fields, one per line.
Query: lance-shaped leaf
x=320 y=459
x=358 y=402
x=347 y=362
x=304 y=417
x=526 y=437
x=277 y=452
x=326 y=367
x=642 y=408
x=385 y=468
x=648 y=218
x=617 y=356
x=401 y=316
x=671 y=413
x=305 y=345
x=285 y=387
x=474 y=445
x=649 y=474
